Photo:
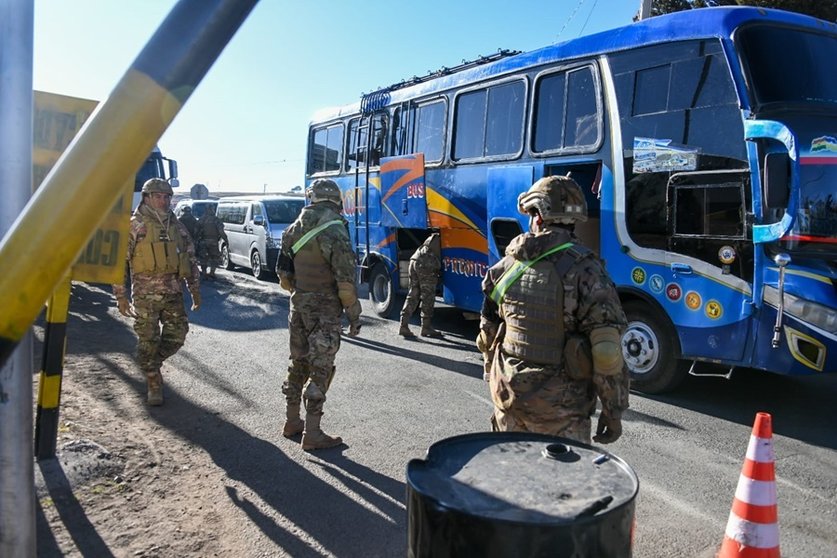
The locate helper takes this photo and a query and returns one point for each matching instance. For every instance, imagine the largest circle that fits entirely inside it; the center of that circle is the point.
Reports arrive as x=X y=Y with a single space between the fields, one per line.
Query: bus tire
x=649 y=349
x=381 y=292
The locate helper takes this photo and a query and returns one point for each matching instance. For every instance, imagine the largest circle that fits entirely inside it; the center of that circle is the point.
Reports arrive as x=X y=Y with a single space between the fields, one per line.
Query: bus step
x=709 y=370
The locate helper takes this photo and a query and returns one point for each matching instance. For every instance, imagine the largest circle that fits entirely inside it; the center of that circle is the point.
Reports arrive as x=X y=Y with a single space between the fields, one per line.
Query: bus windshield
x=151 y=168
x=788 y=66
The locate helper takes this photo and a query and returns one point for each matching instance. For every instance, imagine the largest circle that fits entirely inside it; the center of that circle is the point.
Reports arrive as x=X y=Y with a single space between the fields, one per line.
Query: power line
x=588 y=17
x=572 y=15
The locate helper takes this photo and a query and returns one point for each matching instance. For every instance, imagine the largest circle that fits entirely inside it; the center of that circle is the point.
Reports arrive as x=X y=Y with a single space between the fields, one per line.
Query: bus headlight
x=271 y=242
x=817 y=315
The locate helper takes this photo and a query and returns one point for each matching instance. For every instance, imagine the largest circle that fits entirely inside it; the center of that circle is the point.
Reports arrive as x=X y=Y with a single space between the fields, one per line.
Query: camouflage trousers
x=422 y=290
x=314 y=327
x=210 y=254
x=161 y=326
x=531 y=398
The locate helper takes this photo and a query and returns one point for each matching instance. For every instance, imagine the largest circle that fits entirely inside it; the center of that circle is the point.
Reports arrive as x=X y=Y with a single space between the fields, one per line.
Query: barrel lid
x=523 y=477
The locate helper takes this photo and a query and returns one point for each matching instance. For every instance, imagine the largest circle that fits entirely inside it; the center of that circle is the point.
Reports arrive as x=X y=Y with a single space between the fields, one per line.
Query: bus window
x=681 y=96
x=430 y=130
x=326 y=153
x=489 y=122
x=359 y=144
x=572 y=94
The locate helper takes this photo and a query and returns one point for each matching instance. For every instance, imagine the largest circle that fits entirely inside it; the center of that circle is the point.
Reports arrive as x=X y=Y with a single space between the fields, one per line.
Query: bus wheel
x=225 y=256
x=648 y=347
x=384 y=299
x=256 y=265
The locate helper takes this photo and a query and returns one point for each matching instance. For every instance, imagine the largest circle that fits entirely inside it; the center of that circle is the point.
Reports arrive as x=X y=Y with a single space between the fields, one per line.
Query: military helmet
x=556 y=199
x=187 y=209
x=324 y=189
x=157 y=185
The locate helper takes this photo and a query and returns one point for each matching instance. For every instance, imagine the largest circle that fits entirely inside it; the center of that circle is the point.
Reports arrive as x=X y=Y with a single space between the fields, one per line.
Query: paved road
x=392 y=398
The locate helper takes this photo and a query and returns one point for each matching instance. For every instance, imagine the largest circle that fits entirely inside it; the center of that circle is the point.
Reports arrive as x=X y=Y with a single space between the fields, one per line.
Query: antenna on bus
x=370 y=102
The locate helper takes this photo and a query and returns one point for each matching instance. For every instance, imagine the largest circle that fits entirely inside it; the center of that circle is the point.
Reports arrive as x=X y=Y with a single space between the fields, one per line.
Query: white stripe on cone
x=760 y=450
x=756 y=535
x=758 y=493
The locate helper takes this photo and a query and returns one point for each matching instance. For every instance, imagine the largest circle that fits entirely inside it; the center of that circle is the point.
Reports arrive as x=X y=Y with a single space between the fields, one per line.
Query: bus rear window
x=788 y=66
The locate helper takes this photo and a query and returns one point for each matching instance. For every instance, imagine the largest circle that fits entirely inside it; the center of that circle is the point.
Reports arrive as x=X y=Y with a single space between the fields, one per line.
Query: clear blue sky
x=245 y=126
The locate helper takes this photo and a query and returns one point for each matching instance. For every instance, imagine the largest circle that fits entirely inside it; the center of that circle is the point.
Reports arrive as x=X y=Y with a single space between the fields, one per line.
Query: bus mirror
x=174 y=182
x=776 y=179
x=172 y=169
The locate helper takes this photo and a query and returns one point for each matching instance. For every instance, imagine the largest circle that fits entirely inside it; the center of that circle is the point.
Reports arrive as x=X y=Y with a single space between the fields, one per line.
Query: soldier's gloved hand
x=608 y=429
x=354 y=328
x=125 y=307
x=196 y=299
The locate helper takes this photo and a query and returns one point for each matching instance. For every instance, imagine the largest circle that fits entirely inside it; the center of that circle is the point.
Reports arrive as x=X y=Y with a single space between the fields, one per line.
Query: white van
x=254 y=226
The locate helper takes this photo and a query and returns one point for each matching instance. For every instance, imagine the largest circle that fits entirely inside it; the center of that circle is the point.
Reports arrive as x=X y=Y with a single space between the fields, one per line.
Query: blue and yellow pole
x=49 y=384
x=87 y=180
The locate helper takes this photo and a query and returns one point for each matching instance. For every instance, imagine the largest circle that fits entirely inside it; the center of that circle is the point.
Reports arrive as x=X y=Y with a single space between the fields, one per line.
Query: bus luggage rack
x=370 y=102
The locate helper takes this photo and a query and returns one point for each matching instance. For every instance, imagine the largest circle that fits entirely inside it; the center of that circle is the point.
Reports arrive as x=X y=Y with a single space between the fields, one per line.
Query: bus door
x=711 y=256
x=366 y=136
x=403 y=197
x=504 y=221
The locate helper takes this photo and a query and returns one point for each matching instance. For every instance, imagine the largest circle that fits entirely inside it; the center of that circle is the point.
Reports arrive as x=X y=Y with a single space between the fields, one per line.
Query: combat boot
x=154 y=381
x=427 y=330
x=404 y=331
x=293 y=424
x=313 y=438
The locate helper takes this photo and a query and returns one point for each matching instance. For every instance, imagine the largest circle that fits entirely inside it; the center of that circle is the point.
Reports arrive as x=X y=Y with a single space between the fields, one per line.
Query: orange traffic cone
x=753 y=529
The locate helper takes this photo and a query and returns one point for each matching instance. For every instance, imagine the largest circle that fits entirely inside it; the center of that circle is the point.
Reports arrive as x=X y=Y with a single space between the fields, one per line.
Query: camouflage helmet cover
x=324 y=189
x=157 y=185
x=556 y=199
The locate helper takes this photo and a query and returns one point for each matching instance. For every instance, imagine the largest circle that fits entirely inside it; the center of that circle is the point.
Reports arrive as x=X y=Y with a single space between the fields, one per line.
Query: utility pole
x=644 y=9
x=17 y=470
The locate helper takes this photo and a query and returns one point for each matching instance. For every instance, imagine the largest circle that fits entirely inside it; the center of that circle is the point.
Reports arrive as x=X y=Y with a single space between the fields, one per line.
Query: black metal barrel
x=501 y=494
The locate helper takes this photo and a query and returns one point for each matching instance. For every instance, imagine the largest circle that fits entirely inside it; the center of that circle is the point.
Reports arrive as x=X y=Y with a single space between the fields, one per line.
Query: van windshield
x=283 y=211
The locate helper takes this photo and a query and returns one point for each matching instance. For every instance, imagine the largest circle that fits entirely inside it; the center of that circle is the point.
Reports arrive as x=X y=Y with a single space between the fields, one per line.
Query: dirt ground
x=120 y=484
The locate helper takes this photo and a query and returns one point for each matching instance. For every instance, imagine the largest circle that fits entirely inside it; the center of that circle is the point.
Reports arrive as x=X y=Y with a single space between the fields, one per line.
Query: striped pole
x=753 y=529
x=49 y=383
x=87 y=180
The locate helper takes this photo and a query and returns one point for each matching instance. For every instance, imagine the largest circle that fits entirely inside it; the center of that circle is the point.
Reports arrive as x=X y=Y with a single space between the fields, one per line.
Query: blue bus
x=706 y=142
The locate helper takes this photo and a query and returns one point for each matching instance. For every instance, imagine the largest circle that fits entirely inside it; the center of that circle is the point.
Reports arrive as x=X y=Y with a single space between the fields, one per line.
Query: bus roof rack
x=370 y=102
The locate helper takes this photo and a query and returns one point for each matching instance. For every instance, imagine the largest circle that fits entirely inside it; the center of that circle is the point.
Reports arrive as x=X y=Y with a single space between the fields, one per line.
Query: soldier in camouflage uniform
x=317 y=266
x=160 y=257
x=425 y=267
x=551 y=325
x=190 y=223
x=210 y=232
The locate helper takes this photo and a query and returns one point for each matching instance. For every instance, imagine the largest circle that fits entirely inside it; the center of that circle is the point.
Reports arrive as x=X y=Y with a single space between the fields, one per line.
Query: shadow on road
x=802 y=406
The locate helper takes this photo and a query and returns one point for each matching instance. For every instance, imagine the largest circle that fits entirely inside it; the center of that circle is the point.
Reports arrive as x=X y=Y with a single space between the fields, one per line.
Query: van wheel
x=384 y=300
x=225 y=256
x=256 y=265
x=649 y=349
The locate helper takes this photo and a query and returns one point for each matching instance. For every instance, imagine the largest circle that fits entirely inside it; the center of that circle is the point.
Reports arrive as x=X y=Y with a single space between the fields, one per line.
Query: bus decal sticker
x=693 y=300
x=674 y=292
x=661 y=155
x=656 y=283
x=443 y=214
x=638 y=275
x=714 y=310
x=824 y=143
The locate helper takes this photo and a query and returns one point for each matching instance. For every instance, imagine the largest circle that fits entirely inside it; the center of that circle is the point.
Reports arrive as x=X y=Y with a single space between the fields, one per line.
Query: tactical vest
x=531 y=302
x=312 y=273
x=154 y=256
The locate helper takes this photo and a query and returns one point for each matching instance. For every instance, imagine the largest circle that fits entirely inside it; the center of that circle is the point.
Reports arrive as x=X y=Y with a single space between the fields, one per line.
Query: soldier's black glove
x=354 y=329
x=608 y=429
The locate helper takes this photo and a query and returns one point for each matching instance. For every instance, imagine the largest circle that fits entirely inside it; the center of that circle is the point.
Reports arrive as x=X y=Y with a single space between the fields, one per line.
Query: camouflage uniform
x=160 y=256
x=320 y=273
x=191 y=224
x=425 y=268
x=210 y=232
x=550 y=335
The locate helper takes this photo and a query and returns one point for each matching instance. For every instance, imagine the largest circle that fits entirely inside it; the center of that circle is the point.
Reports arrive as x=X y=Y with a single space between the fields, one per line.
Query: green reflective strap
x=513 y=273
x=312 y=233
